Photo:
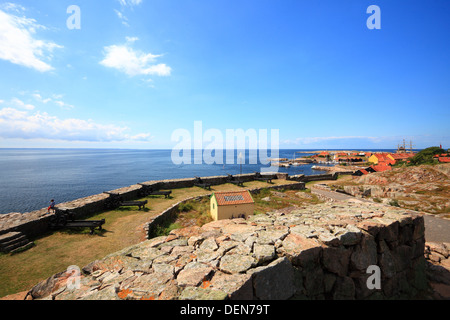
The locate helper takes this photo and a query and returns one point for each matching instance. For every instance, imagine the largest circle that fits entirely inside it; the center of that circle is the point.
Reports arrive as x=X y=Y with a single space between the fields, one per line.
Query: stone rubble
x=316 y=252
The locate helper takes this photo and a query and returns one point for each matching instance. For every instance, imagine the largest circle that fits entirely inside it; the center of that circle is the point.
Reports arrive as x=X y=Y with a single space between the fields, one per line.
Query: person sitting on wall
x=51 y=206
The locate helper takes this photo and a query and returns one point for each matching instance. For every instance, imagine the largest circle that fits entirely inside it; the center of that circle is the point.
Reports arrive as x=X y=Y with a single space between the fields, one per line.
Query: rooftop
x=233 y=197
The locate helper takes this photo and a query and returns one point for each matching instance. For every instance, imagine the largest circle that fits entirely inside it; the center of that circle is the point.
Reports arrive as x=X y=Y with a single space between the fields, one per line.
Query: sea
x=30 y=178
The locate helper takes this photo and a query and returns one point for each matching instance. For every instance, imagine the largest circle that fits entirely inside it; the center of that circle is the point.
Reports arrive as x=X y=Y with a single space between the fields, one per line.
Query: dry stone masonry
x=35 y=223
x=318 y=251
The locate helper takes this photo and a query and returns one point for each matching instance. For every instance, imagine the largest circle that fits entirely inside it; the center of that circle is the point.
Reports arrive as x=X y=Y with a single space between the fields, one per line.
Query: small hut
x=234 y=204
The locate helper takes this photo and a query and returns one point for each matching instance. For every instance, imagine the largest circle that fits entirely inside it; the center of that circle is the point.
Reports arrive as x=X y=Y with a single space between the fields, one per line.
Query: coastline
x=35 y=222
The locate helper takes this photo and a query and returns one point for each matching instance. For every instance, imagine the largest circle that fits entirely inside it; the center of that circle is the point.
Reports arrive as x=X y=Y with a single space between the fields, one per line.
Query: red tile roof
x=444 y=159
x=383 y=157
x=233 y=197
x=401 y=156
x=381 y=167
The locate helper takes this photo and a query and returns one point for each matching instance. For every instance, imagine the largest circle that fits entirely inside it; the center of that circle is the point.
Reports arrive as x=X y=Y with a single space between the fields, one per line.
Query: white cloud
x=130 y=3
x=19 y=103
x=18 y=45
x=133 y=62
x=20 y=124
x=131 y=39
x=122 y=18
x=8 y=6
x=62 y=104
x=56 y=99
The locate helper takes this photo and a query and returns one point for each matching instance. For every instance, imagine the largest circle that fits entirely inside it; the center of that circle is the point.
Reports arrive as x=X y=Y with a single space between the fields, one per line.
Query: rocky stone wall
x=319 y=251
x=170 y=213
x=320 y=177
x=437 y=256
x=36 y=223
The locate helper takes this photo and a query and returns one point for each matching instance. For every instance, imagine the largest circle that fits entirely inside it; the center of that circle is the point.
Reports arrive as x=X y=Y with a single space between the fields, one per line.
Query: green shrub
x=394 y=202
x=185 y=207
x=426 y=156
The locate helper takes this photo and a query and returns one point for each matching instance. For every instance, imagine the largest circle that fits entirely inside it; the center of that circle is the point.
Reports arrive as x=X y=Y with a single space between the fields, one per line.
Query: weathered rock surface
x=438 y=268
x=421 y=188
x=315 y=252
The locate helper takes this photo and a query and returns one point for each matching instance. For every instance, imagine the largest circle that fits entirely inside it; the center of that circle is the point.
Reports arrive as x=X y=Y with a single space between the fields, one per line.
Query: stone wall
x=36 y=223
x=170 y=213
x=316 y=252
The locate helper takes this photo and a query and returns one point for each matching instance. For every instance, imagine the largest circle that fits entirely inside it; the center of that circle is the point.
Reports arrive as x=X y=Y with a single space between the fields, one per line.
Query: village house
x=229 y=205
x=400 y=156
x=377 y=158
x=360 y=172
x=381 y=167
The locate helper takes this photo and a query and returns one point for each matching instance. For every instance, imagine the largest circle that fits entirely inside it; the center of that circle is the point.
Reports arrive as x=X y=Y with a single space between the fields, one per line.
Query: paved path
x=436 y=229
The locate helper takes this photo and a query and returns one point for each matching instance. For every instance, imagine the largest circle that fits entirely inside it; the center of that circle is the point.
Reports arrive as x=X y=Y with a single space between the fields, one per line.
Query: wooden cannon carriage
x=199 y=183
x=260 y=177
x=65 y=219
x=115 y=201
x=233 y=180
x=147 y=190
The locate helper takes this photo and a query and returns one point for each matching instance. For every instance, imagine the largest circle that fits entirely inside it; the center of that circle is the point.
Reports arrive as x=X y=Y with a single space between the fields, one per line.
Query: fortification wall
x=171 y=212
x=327 y=251
x=36 y=223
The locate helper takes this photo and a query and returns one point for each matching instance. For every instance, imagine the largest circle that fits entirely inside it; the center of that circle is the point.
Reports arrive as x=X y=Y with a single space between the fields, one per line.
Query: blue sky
x=137 y=70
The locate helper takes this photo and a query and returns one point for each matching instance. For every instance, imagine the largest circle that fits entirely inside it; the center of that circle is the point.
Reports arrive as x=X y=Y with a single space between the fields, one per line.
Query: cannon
x=199 y=183
x=233 y=180
x=65 y=219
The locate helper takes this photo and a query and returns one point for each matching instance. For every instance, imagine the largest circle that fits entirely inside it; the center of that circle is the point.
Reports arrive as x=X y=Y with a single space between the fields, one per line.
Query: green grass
x=55 y=251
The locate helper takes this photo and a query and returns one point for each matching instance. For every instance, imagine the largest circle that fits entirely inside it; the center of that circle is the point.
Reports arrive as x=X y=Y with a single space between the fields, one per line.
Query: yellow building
x=373 y=158
x=377 y=158
x=228 y=205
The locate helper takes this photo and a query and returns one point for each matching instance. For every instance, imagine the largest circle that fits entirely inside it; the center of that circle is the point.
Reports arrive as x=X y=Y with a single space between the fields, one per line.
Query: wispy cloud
x=18 y=44
x=23 y=124
x=130 y=3
x=122 y=18
x=19 y=103
x=55 y=98
x=8 y=6
x=133 y=62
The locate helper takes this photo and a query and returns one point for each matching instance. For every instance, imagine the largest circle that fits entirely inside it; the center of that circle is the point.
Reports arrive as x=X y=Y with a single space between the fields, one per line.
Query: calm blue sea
x=30 y=178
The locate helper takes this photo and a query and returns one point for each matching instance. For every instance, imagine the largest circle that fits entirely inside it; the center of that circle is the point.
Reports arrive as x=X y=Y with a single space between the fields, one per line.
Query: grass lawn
x=123 y=227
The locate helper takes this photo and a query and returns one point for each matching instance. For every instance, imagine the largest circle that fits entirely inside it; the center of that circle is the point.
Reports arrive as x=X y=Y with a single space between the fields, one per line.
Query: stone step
x=22 y=248
x=12 y=241
x=8 y=236
x=16 y=245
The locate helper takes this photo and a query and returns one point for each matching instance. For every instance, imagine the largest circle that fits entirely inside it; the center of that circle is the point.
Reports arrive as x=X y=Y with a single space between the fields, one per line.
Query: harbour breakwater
x=35 y=223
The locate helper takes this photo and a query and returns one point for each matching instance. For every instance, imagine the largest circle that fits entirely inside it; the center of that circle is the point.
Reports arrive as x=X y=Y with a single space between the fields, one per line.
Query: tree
x=426 y=155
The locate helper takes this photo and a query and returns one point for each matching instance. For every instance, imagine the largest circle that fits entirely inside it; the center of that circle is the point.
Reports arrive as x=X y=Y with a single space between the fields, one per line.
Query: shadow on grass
x=132 y=209
x=84 y=230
